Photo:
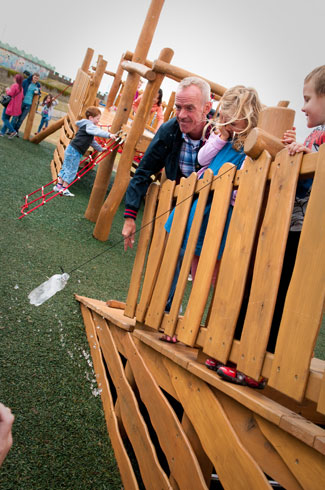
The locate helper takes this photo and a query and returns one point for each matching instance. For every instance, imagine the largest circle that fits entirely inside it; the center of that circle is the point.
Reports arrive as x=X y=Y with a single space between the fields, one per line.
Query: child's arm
x=211 y=148
x=289 y=136
x=298 y=148
x=97 y=146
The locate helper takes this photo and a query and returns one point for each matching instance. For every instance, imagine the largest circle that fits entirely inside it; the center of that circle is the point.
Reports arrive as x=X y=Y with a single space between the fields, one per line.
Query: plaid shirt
x=188 y=155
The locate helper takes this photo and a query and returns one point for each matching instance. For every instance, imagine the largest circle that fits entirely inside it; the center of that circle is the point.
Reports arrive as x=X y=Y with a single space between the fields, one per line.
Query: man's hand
x=128 y=233
x=6 y=421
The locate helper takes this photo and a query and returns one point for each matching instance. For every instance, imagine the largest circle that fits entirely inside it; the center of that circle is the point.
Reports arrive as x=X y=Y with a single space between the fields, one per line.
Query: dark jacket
x=163 y=152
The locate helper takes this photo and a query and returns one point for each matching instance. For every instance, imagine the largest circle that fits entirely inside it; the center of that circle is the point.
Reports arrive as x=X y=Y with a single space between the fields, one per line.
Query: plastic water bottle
x=48 y=288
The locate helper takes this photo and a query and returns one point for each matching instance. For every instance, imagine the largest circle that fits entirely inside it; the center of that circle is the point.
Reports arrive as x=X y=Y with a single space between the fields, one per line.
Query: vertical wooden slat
x=160 y=294
x=203 y=187
x=303 y=309
x=236 y=257
x=268 y=263
x=145 y=235
x=223 y=186
x=157 y=247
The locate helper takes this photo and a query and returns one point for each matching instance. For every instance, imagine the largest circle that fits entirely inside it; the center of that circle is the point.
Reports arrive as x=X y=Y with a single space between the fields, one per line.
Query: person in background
x=31 y=86
x=49 y=102
x=156 y=108
x=85 y=137
x=13 y=109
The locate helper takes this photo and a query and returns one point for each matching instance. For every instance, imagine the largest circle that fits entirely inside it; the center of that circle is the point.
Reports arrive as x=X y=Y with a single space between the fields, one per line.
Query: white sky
x=270 y=45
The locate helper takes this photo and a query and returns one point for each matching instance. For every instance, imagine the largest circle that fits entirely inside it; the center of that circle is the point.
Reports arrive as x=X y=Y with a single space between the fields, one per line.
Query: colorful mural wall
x=18 y=63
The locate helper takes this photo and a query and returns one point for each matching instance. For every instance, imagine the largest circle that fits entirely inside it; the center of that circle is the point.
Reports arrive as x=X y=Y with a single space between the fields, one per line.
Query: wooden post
x=115 y=85
x=30 y=118
x=94 y=84
x=170 y=106
x=177 y=73
x=272 y=123
x=105 y=169
x=49 y=130
x=122 y=178
x=87 y=60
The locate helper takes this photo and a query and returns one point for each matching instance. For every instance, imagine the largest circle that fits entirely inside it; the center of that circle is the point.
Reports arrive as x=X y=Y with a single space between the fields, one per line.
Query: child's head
x=48 y=100
x=19 y=79
x=93 y=114
x=238 y=111
x=314 y=97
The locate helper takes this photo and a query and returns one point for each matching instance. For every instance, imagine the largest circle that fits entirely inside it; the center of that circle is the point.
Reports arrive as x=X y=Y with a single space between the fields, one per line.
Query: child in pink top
x=14 y=107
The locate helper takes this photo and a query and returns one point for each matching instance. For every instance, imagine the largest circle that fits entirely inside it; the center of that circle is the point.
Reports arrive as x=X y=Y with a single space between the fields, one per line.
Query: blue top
x=28 y=99
x=226 y=154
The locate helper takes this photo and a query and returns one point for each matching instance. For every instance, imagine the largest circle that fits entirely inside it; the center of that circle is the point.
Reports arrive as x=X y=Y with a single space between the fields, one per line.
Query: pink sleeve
x=13 y=90
x=210 y=149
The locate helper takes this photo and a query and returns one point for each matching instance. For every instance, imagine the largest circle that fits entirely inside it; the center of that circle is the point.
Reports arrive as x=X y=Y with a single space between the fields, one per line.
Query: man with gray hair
x=174 y=147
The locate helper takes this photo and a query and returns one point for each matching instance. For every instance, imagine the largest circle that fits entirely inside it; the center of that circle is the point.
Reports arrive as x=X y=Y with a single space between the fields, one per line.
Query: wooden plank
x=60 y=150
x=303 y=309
x=114 y=315
x=79 y=92
x=236 y=257
x=299 y=427
x=204 y=462
x=166 y=273
x=268 y=264
x=321 y=400
x=252 y=438
x=144 y=239
x=307 y=465
x=127 y=474
x=223 y=186
x=68 y=131
x=234 y=465
x=181 y=458
x=203 y=187
x=152 y=474
x=157 y=247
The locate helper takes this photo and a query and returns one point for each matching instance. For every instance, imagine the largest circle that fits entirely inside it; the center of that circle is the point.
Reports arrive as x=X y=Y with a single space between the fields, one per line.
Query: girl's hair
x=160 y=96
x=49 y=103
x=239 y=103
x=318 y=75
x=92 y=111
x=19 y=80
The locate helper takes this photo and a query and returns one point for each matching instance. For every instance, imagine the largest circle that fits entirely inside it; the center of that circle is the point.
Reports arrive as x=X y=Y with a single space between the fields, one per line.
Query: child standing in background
x=49 y=102
x=84 y=138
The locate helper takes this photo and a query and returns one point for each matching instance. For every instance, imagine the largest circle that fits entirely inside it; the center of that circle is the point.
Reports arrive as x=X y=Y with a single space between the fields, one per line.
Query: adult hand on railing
x=128 y=232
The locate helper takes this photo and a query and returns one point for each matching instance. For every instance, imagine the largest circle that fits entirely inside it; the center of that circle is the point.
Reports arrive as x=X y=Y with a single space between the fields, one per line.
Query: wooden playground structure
x=184 y=424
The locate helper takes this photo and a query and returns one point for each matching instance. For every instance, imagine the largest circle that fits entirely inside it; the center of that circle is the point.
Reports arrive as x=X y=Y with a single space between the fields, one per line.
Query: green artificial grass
x=46 y=374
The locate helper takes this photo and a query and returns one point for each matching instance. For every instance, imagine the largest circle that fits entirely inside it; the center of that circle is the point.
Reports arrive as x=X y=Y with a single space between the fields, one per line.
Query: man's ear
x=207 y=107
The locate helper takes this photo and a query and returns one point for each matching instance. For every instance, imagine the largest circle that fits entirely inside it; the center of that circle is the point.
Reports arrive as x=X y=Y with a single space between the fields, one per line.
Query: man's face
x=314 y=105
x=35 y=78
x=191 y=111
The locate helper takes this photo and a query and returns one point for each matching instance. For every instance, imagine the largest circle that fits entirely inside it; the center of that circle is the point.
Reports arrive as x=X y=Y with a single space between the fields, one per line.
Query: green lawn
x=46 y=374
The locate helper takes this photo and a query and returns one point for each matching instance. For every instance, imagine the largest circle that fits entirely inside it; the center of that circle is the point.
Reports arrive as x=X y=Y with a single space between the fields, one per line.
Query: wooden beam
x=140 y=69
x=179 y=73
